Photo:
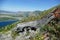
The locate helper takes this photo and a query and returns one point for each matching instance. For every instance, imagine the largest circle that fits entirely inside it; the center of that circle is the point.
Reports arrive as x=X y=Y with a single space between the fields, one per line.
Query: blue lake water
x=5 y=23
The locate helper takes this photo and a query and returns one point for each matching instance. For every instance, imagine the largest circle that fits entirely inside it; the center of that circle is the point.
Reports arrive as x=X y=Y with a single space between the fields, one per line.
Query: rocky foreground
x=22 y=36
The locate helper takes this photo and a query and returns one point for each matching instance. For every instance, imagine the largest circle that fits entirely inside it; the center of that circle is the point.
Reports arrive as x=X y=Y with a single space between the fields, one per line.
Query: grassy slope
x=53 y=29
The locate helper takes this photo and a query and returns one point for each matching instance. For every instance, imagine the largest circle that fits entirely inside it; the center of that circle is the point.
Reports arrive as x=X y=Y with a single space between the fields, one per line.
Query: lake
x=8 y=22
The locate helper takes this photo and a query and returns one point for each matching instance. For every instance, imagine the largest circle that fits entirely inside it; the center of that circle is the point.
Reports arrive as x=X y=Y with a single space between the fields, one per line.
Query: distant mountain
x=20 y=13
x=37 y=12
x=5 y=12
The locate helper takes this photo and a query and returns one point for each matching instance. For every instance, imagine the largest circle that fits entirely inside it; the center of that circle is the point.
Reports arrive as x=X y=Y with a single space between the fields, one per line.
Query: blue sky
x=27 y=5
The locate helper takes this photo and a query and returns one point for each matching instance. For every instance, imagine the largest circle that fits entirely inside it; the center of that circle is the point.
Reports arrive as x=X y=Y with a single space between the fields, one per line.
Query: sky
x=27 y=5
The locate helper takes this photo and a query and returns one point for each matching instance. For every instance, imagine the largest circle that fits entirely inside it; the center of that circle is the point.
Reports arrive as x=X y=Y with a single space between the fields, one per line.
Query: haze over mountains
x=3 y=11
x=26 y=13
